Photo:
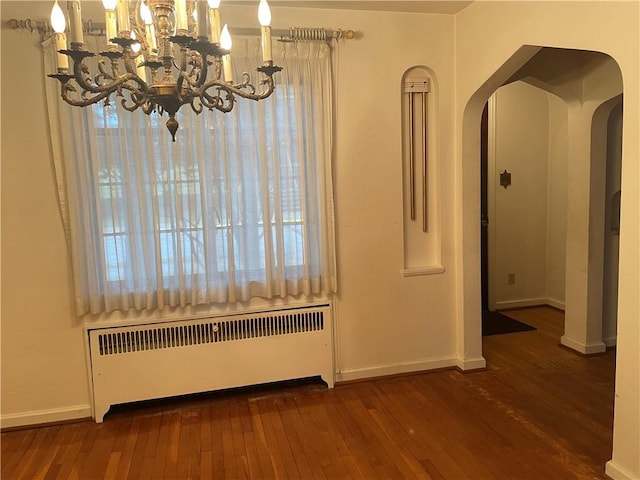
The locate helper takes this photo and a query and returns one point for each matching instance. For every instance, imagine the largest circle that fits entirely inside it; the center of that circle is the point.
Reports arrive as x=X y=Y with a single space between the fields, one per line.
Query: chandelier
x=173 y=53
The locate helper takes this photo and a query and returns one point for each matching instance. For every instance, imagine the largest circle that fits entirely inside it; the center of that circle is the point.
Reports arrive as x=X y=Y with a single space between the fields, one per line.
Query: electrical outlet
x=511 y=279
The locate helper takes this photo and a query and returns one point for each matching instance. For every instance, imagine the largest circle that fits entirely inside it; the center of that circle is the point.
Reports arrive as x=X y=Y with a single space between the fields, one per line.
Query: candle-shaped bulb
x=145 y=14
x=58 y=22
x=264 y=16
x=201 y=20
x=75 y=17
x=110 y=23
x=264 y=13
x=180 y=12
x=214 y=21
x=122 y=11
x=225 y=38
x=195 y=32
x=135 y=47
x=225 y=42
x=149 y=29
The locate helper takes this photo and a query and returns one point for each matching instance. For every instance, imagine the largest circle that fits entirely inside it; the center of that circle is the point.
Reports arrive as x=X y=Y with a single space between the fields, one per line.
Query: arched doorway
x=591 y=91
x=529 y=138
x=589 y=83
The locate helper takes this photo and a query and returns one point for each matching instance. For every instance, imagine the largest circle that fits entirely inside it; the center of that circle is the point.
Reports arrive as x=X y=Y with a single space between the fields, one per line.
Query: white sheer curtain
x=240 y=206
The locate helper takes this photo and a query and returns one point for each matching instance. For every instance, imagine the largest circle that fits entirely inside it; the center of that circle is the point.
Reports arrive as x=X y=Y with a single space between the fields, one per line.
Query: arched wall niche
x=604 y=229
x=420 y=173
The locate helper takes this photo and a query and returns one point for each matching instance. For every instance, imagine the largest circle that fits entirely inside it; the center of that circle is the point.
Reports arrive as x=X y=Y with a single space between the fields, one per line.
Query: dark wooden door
x=484 y=216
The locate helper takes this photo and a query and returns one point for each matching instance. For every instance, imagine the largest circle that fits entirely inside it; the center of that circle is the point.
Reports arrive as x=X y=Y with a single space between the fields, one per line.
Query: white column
x=585 y=233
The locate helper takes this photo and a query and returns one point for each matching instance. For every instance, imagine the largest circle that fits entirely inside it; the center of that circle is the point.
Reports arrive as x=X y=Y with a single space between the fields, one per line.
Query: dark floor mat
x=496 y=323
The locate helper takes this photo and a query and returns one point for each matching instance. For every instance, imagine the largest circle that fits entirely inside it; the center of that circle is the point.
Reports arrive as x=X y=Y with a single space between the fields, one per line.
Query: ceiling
x=558 y=66
x=43 y=8
x=416 y=6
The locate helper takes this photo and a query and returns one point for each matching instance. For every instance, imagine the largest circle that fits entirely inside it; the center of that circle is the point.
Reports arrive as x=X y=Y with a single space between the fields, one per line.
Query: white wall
x=519 y=223
x=385 y=319
x=557 y=201
x=493 y=40
x=528 y=221
x=386 y=323
x=589 y=103
x=611 y=231
x=43 y=363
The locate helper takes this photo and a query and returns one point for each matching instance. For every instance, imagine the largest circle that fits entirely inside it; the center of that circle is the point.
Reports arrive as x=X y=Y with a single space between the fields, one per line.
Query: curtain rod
x=43 y=27
x=300 y=33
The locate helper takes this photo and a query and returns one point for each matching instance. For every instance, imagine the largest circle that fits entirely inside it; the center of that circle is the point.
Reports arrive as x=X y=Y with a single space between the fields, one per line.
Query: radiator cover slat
x=142 y=362
x=211 y=331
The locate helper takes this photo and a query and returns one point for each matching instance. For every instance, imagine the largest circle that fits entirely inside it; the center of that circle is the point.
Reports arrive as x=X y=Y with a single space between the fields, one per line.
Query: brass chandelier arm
x=85 y=100
x=217 y=101
x=95 y=92
x=81 y=76
x=243 y=89
x=193 y=86
x=136 y=96
x=183 y=74
x=204 y=70
x=139 y=100
x=130 y=67
x=220 y=95
x=147 y=107
x=246 y=86
x=197 y=107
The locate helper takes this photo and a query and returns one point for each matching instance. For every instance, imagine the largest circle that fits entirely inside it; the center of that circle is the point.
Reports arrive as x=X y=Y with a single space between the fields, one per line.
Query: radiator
x=143 y=362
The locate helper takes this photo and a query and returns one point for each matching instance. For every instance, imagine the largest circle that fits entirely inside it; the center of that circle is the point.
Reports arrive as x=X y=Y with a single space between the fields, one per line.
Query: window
x=238 y=207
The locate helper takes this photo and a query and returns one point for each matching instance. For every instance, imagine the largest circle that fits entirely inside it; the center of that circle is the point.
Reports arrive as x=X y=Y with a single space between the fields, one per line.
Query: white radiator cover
x=143 y=362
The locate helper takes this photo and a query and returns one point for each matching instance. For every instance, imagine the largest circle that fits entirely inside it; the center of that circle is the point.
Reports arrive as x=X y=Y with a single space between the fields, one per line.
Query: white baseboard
x=38 y=417
x=523 y=302
x=592 y=348
x=610 y=342
x=552 y=302
x=529 y=302
x=395 y=369
x=615 y=471
x=471 y=364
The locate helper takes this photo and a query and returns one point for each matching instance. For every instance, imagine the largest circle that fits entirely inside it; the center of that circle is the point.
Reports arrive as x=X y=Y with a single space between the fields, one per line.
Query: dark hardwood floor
x=538 y=412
